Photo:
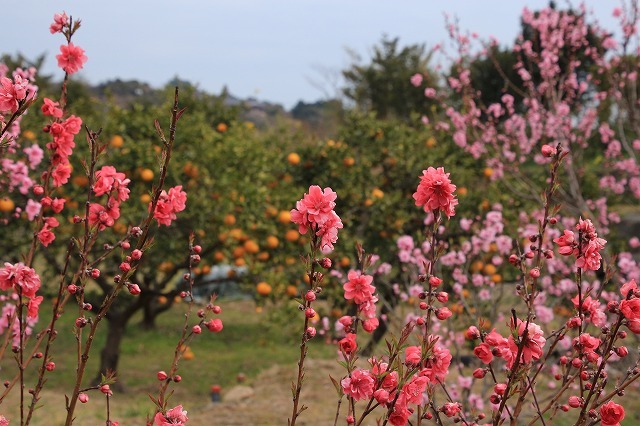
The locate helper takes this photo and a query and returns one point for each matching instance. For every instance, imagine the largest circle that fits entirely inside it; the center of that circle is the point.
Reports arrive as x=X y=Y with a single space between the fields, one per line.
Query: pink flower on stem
x=534 y=342
x=435 y=192
x=71 y=58
x=19 y=276
x=11 y=93
x=630 y=309
x=348 y=344
x=416 y=80
x=483 y=352
x=412 y=355
x=61 y=174
x=108 y=179
x=315 y=211
x=359 y=385
x=51 y=108
x=611 y=414
x=450 y=409
x=437 y=364
x=60 y=20
x=414 y=388
x=169 y=204
x=358 y=287
x=175 y=416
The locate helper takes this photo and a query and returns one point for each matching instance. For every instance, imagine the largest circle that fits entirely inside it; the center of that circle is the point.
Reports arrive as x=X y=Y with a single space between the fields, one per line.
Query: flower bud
x=83 y=397
x=196 y=329
x=472 y=333
x=325 y=263
x=435 y=281
x=575 y=401
x=125 y=245
x=215 y=325
x=479 y=373
x=50 y=366
x=310 y=296
x=443 y=313
x=443 y=297
x=136 y=254
x=548 y=151
x=381 y=395
x=162 y=376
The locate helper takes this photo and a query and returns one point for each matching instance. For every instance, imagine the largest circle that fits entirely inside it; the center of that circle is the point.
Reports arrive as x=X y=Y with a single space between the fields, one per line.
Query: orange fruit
x=476 y=266
x=431 y=142
x=146 y=175
x=293 y=159
x=145 y=198
x=263 y=288
x=489 y=269
x=368 y=202
x=7 y=205
x=165 y=266
x=462 y=191
x=218 y=256
x=162 y=300
x=222 y=127
x=284 y=217
x=120 y=227
x=188 y=354
x=496 y=278
x=271 y=211
x=229 y=220
x=239 y=262
x=348 y=161
x=251 y=247
x=292 y=235
x=116 y=141
x=29 y=135
x=238 y=252
x=80 y=180
x=206 y=269
x=292 y=291
x=377 y=193
x=345 y=262
x=487 y=172
x=263 y=256
x=272 y=242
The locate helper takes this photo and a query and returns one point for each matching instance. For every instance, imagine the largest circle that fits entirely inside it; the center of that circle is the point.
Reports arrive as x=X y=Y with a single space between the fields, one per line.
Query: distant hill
x=318 y=117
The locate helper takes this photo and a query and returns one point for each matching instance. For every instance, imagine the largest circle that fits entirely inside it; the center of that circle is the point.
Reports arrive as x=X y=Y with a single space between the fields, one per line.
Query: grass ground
x=248 y=345
x=258 y=345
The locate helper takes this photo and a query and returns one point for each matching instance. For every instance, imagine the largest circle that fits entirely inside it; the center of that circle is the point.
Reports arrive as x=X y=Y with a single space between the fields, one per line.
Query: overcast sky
x=277 y=50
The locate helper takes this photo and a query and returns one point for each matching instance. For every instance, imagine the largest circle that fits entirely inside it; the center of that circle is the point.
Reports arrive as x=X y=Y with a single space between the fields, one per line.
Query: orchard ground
x=255 y=377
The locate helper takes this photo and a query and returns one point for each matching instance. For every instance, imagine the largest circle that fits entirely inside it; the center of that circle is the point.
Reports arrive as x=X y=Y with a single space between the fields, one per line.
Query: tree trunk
x=149 y=316
x=110 y=354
